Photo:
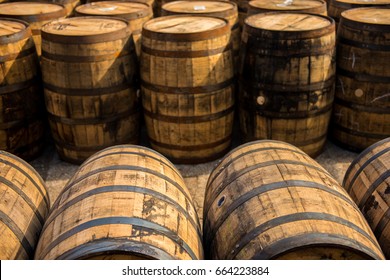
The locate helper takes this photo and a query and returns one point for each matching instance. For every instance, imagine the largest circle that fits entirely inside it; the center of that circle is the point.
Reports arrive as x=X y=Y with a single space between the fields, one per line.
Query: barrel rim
x=32 y=18
x=17 y=36
x=286 y=35
x=322 y=6
x=186 y=37
x=86 y=39
x=233 y=10
x=360 y=25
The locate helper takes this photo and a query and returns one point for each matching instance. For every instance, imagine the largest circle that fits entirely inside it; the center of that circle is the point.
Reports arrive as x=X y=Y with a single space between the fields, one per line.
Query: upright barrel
x=125 y=202
x=317 y=7
x=287 y=73
x=367 y=180
x=135 y=13
x=35 y=13
x=361 y=113
x=188 y=86
x=22 y=107
x=269 y=200
x=88 y=67
x=24 y=205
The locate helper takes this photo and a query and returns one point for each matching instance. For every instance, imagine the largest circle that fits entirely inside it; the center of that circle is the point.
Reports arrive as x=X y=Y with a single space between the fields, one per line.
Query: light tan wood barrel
x=22 y=108
x=221 y=9
x=135 y=13
x=317 y=7
x=35 y=13
x=24 y=204
x=124 y=202
x=367 y=180
x=69 y=5
x=361 y=113
x=287 y=74
x=151 y=3
x=269 y=200
x=336 y=7
x=187 y=86
x=88 y=67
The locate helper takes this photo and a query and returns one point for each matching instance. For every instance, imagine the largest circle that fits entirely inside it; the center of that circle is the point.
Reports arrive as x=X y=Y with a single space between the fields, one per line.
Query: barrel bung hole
x=221 y=201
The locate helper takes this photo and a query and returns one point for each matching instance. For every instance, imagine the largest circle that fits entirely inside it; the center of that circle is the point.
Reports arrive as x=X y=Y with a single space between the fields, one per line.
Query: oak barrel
x=22 y=108
x=287 y=73
x=125 y=202
x=367 y=180
x=24 y=204
x=188 y=86
x=222 y=9
x=361 y=113
x=35 y=13
x=317 y=7
x=269 y=200
x=135 y=13
x=88 y=68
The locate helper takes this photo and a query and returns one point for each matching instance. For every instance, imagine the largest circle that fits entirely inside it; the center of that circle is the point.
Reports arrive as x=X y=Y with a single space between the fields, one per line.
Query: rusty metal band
x=226 y=182
x=207 y=89
x=185 y=54
x=25 y=198
x=58 y=210
x=288 y=35
x=192 y=147
x=368 y=134
x=15 y=37
x=186 y=37
x=27 y=247
x=363 y=77
x=296 y=217
x=363 y=45
x=77 y=59
x=139 y=223
x=210 y=231
x=87 y=91
x=42 y=16
x=19 y=86
x=94 y=121
x=19 y=55
x=383 y=178
x=285 y=245
x=361 y=108
x=189 y=119
x=107 y=246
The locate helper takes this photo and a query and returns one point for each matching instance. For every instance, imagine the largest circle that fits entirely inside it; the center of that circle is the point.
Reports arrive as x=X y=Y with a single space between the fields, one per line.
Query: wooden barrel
x=135 y=13
x=287 y=73
x=24 y=204
x=188 y=86
x=125 y=202
x=317 y=7
x=336 y=7
x=151 y=3
x=88 y=68
x=69 y=5
x=35 y=13
x=242 y=6
x=221 y=9
x=269 y=200
x=22 y=108
x=367 y=180
x=361 y=113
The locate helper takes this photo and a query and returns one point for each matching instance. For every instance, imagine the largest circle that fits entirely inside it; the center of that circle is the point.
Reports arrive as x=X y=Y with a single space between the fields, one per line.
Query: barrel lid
x=113 y=8
x=12 y=30
x=198 y=7
x=372 y=15
x=80 y=30
x=32 y=11
x=286 y=5
x=185 y=27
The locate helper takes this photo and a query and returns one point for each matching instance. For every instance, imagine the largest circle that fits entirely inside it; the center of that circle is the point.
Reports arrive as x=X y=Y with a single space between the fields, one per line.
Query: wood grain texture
x=24 y=205
x=35 y=13
x=317 y=7
x=287 y=73
x=361 y=114
x=135 y=13
x=22 y=108
x=187 y=86
x=88 y=67
x=269 y=200
x=125 y=202
x=367 y=180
